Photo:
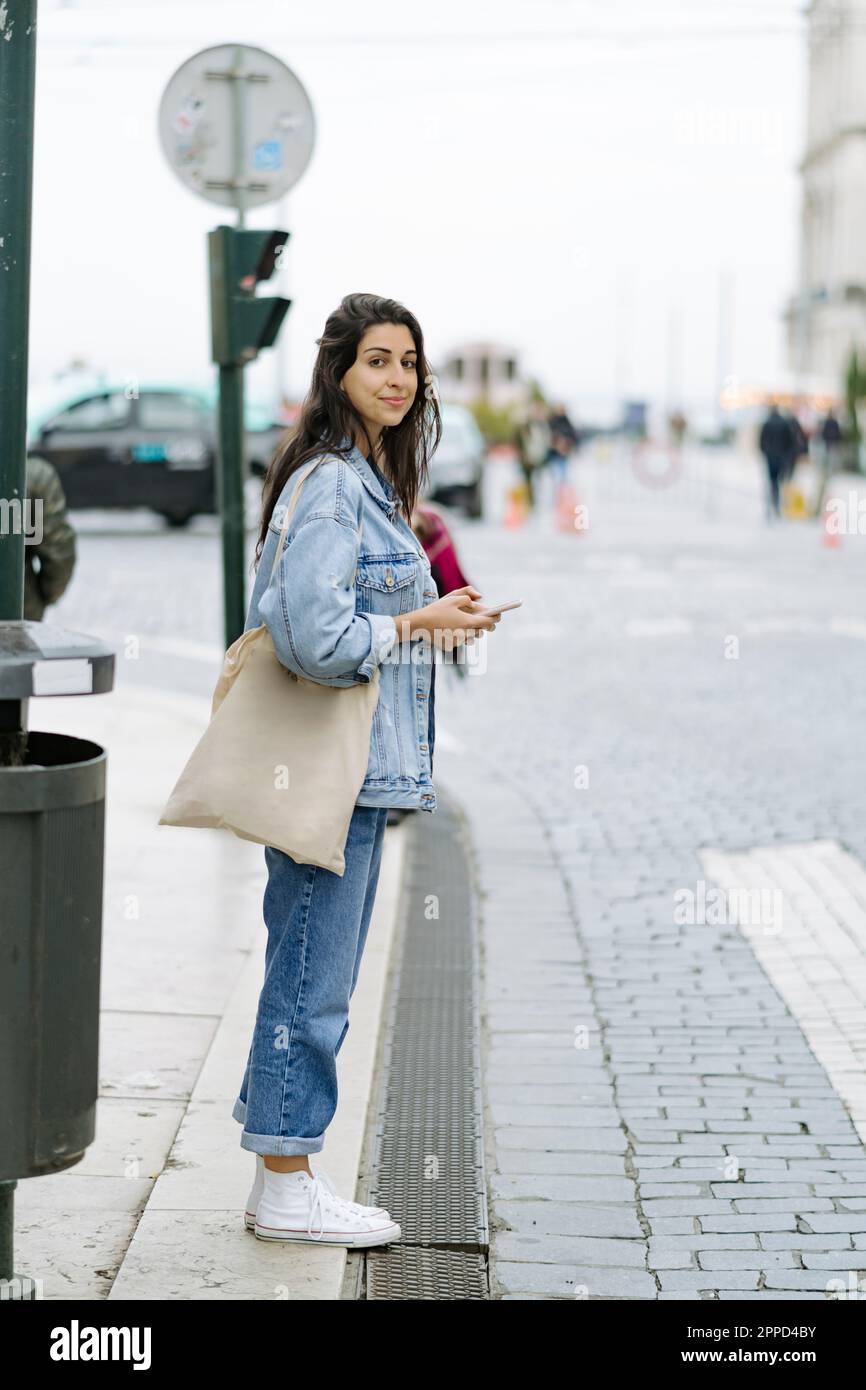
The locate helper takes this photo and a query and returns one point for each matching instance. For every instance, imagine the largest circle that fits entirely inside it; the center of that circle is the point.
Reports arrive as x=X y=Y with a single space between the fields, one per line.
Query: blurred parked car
x=154 y=449
x=457 y=466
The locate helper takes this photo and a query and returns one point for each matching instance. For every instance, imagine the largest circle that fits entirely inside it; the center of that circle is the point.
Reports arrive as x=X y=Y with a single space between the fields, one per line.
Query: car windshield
x=106 y=411
x=170 y=410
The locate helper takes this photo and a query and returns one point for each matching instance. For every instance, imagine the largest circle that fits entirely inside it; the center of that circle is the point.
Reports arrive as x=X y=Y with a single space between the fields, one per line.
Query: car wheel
x=178 y=519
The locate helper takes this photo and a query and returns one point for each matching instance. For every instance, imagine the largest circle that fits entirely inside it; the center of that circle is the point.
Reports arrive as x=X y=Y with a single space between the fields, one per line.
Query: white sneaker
x=296 y=1207
x=258 y=1187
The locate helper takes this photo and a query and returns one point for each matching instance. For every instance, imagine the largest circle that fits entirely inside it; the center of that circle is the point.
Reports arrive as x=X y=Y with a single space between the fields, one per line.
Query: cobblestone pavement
x=680 y=704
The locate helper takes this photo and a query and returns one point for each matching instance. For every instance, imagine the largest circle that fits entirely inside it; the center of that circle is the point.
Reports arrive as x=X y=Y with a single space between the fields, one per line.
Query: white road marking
x=816 y=955
x=848 y=627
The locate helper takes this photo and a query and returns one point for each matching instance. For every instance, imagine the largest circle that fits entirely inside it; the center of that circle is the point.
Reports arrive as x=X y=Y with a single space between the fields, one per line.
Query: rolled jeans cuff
x=276 y=1145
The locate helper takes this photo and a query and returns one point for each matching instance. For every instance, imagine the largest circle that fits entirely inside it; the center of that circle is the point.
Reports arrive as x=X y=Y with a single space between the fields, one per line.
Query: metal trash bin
x=52 y=823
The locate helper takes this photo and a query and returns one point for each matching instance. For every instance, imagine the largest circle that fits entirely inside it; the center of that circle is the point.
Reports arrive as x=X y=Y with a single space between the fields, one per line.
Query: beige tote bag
x=282 y=759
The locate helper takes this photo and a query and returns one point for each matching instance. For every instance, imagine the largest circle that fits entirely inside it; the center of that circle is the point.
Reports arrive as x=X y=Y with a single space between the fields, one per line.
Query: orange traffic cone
x=569 y=514
x=515 y=510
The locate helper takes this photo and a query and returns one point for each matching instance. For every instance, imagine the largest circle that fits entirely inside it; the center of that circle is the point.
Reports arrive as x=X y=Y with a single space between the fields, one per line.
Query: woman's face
x=382 y=381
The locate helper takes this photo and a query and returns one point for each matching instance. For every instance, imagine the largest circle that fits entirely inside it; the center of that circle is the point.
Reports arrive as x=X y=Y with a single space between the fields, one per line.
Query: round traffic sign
x=236 y=125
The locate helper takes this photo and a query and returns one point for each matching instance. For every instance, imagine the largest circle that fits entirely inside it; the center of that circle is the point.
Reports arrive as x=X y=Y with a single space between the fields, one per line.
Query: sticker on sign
x=72 y=676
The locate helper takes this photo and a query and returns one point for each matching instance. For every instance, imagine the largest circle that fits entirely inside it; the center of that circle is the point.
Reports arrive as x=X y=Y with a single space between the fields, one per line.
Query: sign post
x=237 y=127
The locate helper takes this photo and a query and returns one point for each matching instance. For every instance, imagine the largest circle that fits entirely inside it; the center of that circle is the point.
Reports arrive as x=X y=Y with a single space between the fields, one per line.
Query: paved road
x=683 y=683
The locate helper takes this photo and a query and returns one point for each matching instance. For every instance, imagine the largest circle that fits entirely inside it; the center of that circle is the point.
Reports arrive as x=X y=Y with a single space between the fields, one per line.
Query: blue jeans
x=775 y=475
x=558 y=464
x=317 y=925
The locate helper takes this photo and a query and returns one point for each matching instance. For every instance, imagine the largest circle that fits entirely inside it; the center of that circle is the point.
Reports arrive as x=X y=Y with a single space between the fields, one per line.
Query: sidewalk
x=155 y=1208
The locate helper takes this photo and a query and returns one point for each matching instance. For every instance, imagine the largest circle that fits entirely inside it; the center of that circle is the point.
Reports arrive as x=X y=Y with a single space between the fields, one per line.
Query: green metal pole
x=230 y=496
x=17 y=88
x=230 y=430
x=17 y=99
x=230 y=464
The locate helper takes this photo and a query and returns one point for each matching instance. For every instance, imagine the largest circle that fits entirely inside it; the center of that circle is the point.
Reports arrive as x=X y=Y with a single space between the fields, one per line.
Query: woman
x=353 y=591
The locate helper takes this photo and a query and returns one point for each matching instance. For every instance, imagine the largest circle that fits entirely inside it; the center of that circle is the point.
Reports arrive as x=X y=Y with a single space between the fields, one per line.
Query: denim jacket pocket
x=386 y=583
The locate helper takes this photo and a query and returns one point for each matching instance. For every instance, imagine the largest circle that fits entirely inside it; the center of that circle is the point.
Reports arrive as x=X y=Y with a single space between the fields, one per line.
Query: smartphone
x=503 y=607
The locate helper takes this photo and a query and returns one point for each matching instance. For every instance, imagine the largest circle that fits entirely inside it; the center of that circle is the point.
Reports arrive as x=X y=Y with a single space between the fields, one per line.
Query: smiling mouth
x=393 y=400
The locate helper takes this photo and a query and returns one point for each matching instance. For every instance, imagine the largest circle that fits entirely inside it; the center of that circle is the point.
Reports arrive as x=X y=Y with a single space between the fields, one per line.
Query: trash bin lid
x=40 y=659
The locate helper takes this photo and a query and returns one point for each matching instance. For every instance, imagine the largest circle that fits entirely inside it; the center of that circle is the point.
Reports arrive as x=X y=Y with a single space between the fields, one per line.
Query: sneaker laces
x=322 y=1196
x=361 y=1208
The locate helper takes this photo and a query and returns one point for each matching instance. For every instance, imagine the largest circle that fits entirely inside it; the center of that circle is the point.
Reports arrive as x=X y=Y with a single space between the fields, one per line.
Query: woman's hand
x=450 y=621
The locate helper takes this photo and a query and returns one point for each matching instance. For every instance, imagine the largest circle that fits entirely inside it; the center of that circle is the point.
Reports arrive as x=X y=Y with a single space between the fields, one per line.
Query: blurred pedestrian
x=563 y=440
x=800 y=444
x=778 y=444
x=828 y=439
x=533 y=441
x=49 y=558
x=677 y=425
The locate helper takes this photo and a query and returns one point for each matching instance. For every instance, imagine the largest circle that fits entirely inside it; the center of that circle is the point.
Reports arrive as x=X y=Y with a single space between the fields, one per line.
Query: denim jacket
x=327 y=628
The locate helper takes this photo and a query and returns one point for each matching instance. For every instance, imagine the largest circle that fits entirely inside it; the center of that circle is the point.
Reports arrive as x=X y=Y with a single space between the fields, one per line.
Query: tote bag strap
x=290 y=511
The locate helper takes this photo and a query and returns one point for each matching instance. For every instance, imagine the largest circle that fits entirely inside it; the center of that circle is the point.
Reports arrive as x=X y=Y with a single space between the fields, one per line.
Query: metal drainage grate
x=418 y=1272
x=427 y=1139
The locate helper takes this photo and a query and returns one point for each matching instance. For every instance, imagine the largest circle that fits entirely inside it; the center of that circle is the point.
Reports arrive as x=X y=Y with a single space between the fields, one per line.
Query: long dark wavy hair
x=328 y=416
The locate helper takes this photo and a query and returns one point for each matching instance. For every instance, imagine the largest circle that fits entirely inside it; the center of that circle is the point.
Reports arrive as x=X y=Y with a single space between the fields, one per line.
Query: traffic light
x=242 y=323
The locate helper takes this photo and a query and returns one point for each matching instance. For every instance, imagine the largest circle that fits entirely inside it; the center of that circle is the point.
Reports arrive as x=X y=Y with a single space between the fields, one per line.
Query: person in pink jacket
x=429 y=526
x=438 y=544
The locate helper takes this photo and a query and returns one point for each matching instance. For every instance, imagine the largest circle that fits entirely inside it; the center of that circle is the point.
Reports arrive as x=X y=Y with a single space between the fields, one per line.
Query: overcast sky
x=569 y=179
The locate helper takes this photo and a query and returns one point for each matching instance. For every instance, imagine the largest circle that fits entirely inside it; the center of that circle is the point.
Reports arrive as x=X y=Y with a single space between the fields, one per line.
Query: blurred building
x=482 y=371
x=826 y=317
